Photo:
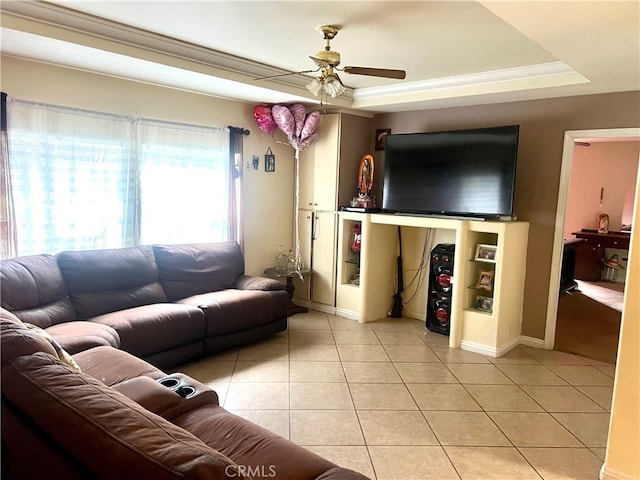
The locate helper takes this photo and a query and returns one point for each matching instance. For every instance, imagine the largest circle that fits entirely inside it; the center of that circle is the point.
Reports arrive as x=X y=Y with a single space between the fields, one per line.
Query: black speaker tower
x=440 y=276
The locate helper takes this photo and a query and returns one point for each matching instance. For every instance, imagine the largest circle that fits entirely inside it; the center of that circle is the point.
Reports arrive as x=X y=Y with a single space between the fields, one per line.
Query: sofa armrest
x=251 y=282
x=168 y=396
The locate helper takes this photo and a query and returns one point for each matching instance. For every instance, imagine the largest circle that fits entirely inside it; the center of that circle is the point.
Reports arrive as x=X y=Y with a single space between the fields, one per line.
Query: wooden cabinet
x=323 y=258
x=490 y=331
x=591 y=251
x=319 y=168
x=328 y=179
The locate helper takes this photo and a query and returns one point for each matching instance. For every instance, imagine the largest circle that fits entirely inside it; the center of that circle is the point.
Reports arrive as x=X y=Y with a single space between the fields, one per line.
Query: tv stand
x=440 y=215
x=472 y=327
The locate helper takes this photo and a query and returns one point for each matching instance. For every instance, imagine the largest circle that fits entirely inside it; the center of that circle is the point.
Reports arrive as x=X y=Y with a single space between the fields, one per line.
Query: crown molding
x=68 y=25
x=528 y=72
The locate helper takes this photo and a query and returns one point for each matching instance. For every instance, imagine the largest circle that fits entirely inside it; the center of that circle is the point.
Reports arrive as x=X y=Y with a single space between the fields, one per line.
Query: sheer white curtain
x=71 y=175
x=184 y=191
x=86 y=180
x=8 y=238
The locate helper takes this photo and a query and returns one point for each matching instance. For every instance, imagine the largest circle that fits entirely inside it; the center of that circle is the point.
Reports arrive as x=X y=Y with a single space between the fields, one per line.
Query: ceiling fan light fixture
x=329 y=84
x=333 y=86
x=315 y=86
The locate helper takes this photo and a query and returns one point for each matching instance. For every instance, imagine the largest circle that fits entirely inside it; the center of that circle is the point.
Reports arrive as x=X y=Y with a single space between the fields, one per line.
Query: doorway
x=563 y=192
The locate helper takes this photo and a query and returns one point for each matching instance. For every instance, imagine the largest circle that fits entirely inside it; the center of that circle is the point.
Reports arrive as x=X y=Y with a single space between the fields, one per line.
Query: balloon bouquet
x=300 y=129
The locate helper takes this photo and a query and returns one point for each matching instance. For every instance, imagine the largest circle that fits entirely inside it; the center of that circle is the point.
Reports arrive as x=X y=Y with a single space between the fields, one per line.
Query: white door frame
x=570 y=137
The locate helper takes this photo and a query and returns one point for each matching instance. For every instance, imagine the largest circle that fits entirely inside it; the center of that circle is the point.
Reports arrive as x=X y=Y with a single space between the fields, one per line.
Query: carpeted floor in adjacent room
x=588 y=321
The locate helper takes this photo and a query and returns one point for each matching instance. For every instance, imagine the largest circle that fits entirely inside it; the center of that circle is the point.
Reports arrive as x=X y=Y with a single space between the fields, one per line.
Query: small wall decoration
x=381 y=138
x=486 y=253
x=603 y=223
x=255 y=162
x=484 y=304
x=269 y=161
x=485 y=280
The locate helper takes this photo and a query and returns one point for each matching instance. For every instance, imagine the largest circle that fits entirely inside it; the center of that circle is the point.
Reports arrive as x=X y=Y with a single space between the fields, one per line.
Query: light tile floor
x=392 y=401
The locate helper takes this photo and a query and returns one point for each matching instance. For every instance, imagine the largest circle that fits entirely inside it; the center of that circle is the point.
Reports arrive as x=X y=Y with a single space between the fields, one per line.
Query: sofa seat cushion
x=102 y=429
x=254 y=446
x=75 y=337
x=229 y=311
x=190 y=269
x=33 y=289
x=111 y=366
x=154 y=328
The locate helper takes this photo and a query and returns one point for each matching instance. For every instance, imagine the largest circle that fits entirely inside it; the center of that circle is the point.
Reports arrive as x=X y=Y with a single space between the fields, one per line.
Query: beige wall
x=612 y=166
x=268 y=197
x=542 y=127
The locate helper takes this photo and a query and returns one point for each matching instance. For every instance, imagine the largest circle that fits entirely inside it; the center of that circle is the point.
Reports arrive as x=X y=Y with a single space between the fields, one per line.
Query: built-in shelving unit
x=348 y=289
x=474 y=326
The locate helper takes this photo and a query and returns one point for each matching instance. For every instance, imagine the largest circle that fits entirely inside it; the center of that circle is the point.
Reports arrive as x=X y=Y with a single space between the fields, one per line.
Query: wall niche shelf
x=489 y=325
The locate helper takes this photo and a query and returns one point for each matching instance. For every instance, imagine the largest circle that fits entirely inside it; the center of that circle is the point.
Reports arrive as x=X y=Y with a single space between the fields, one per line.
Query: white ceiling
x=454 y=53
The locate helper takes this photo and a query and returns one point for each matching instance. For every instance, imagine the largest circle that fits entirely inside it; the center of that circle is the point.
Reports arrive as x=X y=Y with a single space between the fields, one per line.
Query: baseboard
x=608 y=473
x=479 y=348
x=351 y=315
x=469 y=346
x=491 y=351
x=532 y=342
x=315 y=306
x=504 y=348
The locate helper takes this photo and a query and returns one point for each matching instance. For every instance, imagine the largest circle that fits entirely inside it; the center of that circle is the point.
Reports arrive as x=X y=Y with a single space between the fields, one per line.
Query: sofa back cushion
x=191 y=269
x=104 y=281
x=33 y=289
x=103 y=430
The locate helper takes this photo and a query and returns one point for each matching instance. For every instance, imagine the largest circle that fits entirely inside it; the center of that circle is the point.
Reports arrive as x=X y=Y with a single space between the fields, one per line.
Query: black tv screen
x=468 y=173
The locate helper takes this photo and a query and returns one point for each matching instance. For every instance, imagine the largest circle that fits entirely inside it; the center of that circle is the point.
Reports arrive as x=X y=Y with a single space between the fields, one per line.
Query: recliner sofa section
x=166 y=304
x=120 y=417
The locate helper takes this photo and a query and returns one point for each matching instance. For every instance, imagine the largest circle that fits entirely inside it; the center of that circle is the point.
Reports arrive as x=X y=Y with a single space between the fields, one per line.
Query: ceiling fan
x=327 y=62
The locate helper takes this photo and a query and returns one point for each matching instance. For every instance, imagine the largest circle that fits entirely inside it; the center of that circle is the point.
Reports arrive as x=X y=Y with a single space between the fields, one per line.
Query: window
x=184 y=184
x=87 y=180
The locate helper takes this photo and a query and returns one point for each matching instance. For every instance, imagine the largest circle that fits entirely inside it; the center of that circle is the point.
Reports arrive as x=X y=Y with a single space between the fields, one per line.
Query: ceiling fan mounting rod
x=329 y=31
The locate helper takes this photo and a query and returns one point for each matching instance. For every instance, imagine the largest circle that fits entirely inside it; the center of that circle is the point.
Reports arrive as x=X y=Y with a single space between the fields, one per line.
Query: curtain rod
x=240 y=130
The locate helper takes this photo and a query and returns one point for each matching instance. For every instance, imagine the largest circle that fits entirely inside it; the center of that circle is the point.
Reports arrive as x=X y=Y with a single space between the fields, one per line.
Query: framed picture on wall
x=269 y=163
x=381 y=138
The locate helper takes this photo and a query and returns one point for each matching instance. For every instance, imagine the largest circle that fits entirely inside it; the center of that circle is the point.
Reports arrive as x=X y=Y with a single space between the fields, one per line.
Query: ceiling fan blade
x=376 y=72
x=288 y=73
x=320 y=63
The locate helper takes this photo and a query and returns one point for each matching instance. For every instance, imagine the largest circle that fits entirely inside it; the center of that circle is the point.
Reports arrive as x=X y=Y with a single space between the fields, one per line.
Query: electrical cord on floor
x=419 y=273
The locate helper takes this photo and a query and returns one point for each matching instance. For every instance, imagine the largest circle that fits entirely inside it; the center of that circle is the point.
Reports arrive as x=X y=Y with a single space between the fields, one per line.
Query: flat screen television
x=462 y=173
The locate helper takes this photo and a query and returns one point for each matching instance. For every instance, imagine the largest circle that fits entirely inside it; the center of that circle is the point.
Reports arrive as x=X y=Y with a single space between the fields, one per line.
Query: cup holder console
x=169 y=382
x=183 y=394
x=185 y=391
x=178 y=386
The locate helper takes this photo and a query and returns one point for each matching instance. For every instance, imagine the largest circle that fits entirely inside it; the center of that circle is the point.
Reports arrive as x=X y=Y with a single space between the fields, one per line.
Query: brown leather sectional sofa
x=165 y=304
x=107 y=410
x=120 y=417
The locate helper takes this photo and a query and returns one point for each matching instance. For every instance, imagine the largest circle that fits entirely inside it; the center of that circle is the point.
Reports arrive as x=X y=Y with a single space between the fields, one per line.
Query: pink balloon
x=264 y=119
x=284 y=119
x=306 y=143
x=299 y=112
x=310 y=125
